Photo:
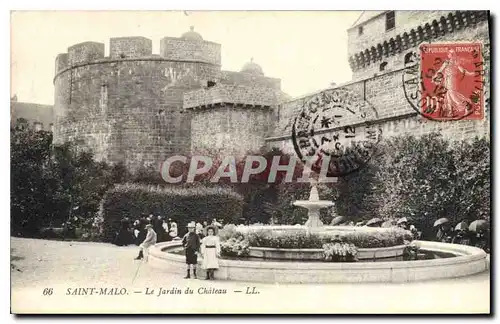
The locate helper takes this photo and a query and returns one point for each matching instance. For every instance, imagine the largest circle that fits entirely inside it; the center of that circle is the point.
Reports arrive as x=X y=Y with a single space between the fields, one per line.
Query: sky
x=307 y=50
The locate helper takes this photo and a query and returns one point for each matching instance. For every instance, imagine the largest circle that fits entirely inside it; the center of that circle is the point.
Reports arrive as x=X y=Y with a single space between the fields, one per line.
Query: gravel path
x=41 y=264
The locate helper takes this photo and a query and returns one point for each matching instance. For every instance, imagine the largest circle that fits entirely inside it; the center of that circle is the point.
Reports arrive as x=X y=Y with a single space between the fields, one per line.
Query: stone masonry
x=139 y=108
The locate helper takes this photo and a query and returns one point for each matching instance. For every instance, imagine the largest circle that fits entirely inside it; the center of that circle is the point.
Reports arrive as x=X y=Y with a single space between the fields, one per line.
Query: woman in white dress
x=210 y=250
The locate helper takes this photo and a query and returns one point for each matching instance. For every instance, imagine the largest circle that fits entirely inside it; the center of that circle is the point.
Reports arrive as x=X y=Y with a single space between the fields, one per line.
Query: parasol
x=402 y=220
x=441 y=221
x=462 y=226
x=478 y=225
x=387 y=224
x=374 y=221
x=360 y=223
x=337 y=220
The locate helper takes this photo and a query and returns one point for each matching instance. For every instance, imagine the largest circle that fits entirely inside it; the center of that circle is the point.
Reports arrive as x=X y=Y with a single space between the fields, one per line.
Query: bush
x=422 y=178
x=235 y=247
x=340 y=252
x=182 y=204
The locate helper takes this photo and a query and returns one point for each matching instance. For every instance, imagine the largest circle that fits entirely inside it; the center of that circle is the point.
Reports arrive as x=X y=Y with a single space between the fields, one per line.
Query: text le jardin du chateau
x=158 y=292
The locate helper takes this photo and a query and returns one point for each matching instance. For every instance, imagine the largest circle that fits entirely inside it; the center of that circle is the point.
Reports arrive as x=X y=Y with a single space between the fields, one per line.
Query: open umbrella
x=402 y=220
x=387 y=224
x=478 y=225
x=360 y=223
x=337 y=220
x=374 y=221
x=462 y=226
x=441 y=221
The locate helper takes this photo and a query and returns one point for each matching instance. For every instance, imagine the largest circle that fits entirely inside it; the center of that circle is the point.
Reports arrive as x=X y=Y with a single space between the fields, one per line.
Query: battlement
x=123 y=47
x=388 y=34
x=232 y=94
x=136 y=47
x=190 y=49
x=84 y=52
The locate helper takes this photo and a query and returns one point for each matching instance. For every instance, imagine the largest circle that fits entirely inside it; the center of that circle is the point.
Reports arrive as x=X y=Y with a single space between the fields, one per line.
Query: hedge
x=300 y=239
x=182 y=204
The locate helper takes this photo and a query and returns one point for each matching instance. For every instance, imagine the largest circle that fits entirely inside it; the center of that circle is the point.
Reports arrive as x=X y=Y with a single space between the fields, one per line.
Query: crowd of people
x=445 y=231
x=201 y=240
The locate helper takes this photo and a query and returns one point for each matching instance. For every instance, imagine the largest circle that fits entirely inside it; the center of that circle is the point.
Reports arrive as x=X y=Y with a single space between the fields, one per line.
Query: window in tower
x=390 y=20
x=408 y=58
x=360 y=30
x=383 y=65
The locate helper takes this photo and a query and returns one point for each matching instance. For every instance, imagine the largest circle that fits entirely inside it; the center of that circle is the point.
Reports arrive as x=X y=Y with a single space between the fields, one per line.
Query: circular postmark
x=334 y=132
x=444 y=82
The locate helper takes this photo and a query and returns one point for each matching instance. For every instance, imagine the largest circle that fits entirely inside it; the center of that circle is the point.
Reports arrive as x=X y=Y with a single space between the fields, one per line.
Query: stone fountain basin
x=317 y=254
x=468 y=261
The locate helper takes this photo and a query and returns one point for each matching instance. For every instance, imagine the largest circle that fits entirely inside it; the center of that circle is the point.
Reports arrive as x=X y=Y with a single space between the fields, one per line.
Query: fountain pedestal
x=313 y=205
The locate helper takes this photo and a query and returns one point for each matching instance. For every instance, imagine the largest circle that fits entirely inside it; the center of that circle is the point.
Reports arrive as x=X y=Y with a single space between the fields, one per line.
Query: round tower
x=127 y=107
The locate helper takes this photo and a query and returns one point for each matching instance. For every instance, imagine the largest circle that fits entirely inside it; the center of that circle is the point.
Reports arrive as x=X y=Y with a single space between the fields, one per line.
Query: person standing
x=210 y=250
x=149 y=241
x=173 y=230
x=191 y=244
x=157 y=226
x=199 y=230
x=216 y=226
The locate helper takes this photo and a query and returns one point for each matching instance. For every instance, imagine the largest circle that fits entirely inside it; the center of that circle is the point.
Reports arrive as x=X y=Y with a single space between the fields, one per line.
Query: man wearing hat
x=191 y=244
x=150 y=240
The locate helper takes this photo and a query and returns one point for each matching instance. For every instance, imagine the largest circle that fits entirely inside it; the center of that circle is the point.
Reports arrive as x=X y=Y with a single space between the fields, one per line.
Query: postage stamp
x=445 y=81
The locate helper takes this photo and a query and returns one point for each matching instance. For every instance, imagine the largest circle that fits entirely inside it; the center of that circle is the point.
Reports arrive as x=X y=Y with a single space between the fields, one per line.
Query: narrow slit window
x=390 y=20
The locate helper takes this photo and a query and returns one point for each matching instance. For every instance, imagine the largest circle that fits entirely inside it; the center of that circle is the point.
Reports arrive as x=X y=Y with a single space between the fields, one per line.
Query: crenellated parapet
x=186 y=48
x=85 y=52
x=127 y=47
x=190 y=49
x=369 y=46
x=223 y=94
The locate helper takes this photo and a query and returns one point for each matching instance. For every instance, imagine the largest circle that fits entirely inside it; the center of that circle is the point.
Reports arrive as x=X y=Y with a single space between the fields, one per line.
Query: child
x=210 y=250
x=191 y=244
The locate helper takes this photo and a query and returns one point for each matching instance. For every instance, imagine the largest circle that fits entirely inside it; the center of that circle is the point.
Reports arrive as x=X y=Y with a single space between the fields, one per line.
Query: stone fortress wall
x=139 y=108
x=384 y=89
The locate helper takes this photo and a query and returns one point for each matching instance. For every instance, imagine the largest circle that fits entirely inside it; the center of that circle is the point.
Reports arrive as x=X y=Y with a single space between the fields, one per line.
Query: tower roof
x=192 y=35
x=252 y=68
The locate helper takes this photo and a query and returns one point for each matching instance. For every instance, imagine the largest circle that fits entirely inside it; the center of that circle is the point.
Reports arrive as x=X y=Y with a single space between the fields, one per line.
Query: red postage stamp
x=452 y=81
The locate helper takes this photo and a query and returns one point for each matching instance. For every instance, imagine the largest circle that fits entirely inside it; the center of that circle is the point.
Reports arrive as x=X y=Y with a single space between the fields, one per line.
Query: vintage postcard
x=250 y=162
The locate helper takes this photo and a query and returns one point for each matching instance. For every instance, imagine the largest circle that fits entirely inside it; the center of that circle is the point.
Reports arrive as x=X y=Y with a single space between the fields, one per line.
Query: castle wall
x=126 y=109
x=230 y=129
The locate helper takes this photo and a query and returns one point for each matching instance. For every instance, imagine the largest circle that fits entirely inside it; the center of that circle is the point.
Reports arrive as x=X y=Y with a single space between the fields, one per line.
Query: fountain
x=305 y=265
x=313 y=205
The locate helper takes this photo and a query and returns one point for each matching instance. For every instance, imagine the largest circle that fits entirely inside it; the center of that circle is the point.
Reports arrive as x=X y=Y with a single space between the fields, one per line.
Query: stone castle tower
x=129 y=107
